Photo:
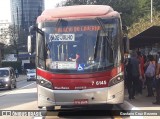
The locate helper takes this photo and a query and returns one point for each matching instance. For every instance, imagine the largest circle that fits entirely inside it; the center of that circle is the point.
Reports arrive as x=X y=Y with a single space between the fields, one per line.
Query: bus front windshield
x=75 y=46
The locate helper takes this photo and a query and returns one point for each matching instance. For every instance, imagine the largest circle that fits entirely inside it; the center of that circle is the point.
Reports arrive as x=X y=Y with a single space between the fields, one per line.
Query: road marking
x=2 y=95
x=26 y=85
x=12 y=91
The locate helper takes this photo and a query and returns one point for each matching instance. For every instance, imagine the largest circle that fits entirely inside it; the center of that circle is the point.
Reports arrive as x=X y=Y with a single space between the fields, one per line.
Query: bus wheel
x=51 y=108
x=104 y=106
x=108 y=107
x=40 y=107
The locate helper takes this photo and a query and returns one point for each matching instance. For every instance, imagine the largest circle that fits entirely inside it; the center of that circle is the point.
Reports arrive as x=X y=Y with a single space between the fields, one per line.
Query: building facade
x=25 y=12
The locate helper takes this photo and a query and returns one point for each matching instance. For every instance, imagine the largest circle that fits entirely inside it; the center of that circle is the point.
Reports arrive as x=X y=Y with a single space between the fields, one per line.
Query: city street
x=24 y=98
x=79 y=59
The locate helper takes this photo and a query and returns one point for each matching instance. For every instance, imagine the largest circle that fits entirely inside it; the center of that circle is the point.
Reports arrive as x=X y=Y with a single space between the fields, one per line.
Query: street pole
x=15 y=43
x=151 y=10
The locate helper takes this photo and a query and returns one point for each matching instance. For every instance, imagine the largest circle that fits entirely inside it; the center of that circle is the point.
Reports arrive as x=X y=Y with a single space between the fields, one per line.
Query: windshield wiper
x=104 y=30
x=58 y=22
x=56 y=26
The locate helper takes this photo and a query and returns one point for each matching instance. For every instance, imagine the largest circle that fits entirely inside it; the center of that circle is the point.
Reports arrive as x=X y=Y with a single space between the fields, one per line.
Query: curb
x=2 y=95
x=126 y=106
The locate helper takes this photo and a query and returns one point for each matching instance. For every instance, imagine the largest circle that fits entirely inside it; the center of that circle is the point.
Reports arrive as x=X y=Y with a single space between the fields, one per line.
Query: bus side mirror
x=32 y=28
x=124 y=28
x=29 y=44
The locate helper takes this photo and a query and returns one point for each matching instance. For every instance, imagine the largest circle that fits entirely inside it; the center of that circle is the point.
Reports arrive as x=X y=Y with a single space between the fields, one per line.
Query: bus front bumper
x=108 y=95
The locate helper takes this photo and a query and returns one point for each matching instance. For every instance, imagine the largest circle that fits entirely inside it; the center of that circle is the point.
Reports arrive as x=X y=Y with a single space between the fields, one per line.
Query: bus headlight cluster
x=115 y=80
x=43 y=82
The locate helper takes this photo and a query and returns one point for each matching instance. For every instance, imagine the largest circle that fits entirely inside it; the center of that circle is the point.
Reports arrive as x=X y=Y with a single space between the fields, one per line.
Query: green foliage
x=156 y=4
x=15 y=65
x=143 y=24
x=131 y=10
x=9 y=50
x=135 y=13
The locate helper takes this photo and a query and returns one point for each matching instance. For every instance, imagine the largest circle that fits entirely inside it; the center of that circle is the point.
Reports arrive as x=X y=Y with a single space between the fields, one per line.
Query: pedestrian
x=133 y=75
x=141 y=81
x=157 y=102
x=16 y=71
x=150 y=74
x=126 y=68
x=145 y=67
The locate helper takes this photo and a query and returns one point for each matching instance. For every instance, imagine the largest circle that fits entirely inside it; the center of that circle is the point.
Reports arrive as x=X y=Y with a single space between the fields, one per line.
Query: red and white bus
x=79 y=56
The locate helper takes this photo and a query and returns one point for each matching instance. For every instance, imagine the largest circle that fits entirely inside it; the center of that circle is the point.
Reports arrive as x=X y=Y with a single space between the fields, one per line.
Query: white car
x=31 y=74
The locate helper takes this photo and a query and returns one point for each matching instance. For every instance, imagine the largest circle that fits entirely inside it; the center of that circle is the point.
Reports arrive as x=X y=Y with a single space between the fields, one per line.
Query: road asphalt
x=21 y=77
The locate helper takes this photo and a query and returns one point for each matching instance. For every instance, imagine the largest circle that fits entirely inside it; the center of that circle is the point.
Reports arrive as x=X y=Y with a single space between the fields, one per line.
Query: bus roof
x=78 y=11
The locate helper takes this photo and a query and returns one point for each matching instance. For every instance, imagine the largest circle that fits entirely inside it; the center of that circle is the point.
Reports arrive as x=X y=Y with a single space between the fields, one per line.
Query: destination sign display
x=61 y=37
x=78 y=29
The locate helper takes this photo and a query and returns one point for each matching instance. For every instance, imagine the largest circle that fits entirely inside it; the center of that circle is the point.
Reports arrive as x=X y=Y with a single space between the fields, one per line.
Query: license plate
x=80 y=101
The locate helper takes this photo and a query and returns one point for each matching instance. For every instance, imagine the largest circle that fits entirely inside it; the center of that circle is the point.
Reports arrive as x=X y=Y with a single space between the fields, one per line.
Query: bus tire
x=108 y=106
x=40 y=107
x=51 y=108
x=104 y=106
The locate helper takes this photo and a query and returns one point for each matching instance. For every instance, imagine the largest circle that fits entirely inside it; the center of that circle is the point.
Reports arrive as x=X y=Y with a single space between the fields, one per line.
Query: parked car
x=7 y=78
x=31 y=74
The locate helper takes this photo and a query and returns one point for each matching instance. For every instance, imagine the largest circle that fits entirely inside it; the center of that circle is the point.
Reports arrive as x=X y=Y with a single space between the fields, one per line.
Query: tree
x=143 y=24
x=135 y=14
x=13 y=32
x=156 y=5
x=131 y=11
x=4 y=35
x=17 y=38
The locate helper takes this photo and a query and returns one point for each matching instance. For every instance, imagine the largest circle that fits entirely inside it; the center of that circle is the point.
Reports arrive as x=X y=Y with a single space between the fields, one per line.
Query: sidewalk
x=21 y=77
x=141 y=102
x=141 y=107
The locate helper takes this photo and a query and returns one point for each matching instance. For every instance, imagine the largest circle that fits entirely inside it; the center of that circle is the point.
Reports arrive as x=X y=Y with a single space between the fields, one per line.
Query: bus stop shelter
x=146 y=38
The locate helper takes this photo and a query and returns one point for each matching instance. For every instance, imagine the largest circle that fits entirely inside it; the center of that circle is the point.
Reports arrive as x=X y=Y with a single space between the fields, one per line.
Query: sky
x=5 y=8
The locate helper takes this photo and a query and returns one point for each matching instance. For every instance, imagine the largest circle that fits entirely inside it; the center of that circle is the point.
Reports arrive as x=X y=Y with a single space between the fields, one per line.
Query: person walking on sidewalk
x=141 y=81
x=16 y=71
x=157 y=102
x=134 y=73
x=150 y=74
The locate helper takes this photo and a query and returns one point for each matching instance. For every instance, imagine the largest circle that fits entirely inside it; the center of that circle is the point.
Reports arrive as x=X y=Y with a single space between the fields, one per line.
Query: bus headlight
x=115 y=80
x=43 y=82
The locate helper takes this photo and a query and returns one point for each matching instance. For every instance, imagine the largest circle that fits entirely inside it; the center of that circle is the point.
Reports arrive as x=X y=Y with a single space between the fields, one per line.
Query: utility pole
x=151 y=10
x=15 y=43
